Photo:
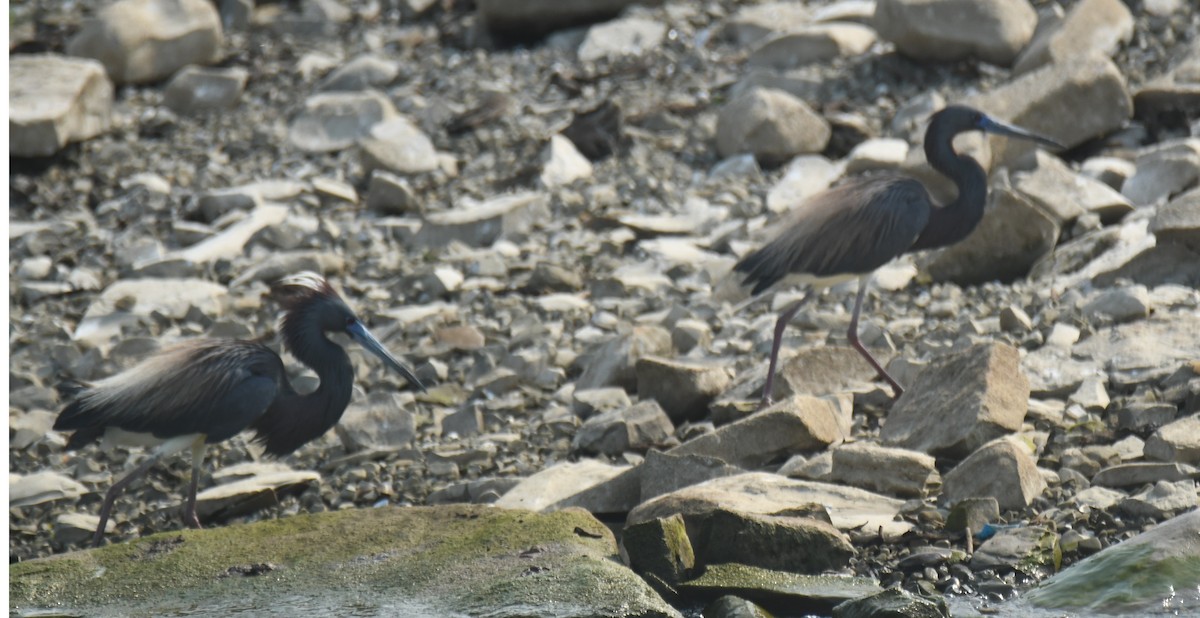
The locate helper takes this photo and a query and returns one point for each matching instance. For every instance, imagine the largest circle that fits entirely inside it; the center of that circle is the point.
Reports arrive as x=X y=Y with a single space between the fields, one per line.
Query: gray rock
x=771 y=124
x=41 y=487
x=972 y=514
x=38 y=267
x=1061 y=192
x=1161 y=500
x=1100 y=498
x=784 y=543
x=334 y=121
x=588 y=402
x=27 y=428
x=361 y=73
x=227 y=244
x=397 y=145
x=689 y=334
x=684 y=389
x=1091 y=395
x=78 y=528
x=141 y=41
x=799 y=423
x=1090 y=27
x=1002 y=469
x=755 y=22
x=893 y=602
x=1164 y=170
x=1024 y=546
x=1123 y=304
x=943 y=30
x=636 y=428
x=804 y=177
x=960 y=402
x=812 y=44
x=589 y=484
x=390 y=194
x=1071 y=102
x=880 y=153
x=1013 y=235
x=613 y=362
x=1013 y=319
x=661 y=548
x=333 y=191
x=1161 y=342
x=53 y=100
x=663 y=473
x=379 y=422
x=1136 y=474
x=215 y=203
x=908 y=474
x=130 y=302
x=628 y=36
x=1112 y=171
x=825 y=370
x=1177 y=442
x=532 y=17
x=235 y=14
x=1135 y=575
x=195 y=90
x=282 y=263
x=480 y=225
x=252 y=494
x=562 y=164
x=765 y=494
x=1178 y=221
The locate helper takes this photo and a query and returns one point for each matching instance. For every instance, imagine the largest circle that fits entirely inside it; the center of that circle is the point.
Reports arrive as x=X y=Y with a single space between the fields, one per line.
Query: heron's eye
x=350 y=322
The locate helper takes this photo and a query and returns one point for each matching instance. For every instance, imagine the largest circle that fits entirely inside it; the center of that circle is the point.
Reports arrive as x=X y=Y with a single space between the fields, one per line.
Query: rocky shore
x=534 y=203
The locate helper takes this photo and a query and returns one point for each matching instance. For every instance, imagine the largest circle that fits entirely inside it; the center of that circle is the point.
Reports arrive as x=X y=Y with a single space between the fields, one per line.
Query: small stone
x=252 y=494
x=1013 y=319
x=38 y=267
x=54 y=100
x=663 y=473
x=1178 y=221
x=361 y=73
x=1117 y=305
x=1136 y=474
x=390 y=194
x=804 y=177
x=78 y=528
x=944 y=30
x=684 y=389
x=660 y=547
x=141 y=41
x=334 y=121
x=548 y=277
x=612 y=362
x=1091 y=395
x=794 y=544
x=1062 y=336
x=1025 y=546
x=636 y=428
x=771 y=124
x=379 y=422
x=755 y=22
x=1090 y=27
x=689 y=334
x=397 y=145
x=1177 y=442
x=588 y=402
x=812 y=44
x=909 y=474
x=1161 y=500
x=41 y=487
x=481 y=225
x=1002 y=469
x=799 y=423
x=562 y=164
x=194 y=89
x=629 y=36
x=333 y=190
x=1163 y=170
x=567 y=484
x=882 y=153
x=972 y=514
x=1111 y=171
x=1058 y=190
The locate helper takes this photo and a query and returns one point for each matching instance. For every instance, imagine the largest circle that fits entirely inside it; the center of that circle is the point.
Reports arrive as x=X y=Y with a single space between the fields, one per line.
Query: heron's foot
x=193 y=521
x=765 y=403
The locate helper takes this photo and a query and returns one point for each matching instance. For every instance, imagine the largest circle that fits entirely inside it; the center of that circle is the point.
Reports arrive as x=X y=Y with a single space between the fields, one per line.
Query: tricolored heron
x=206 y=391
x=849 y=231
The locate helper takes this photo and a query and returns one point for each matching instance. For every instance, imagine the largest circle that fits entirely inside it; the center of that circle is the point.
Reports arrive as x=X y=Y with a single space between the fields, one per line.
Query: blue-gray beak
x=988 y=124
x=359 y=333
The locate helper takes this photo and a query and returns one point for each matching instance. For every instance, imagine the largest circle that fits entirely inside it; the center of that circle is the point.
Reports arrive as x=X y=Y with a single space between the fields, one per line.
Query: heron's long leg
x=780 y=324
x=853 y=337
x=170 y=447
x=189 y=515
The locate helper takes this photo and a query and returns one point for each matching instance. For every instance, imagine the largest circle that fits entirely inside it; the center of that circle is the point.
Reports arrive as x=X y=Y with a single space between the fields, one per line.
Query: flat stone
x=1002 y=469
x=799 y=423
x=1163 y=170
x=525 y=18
x=613 y=362
x=803 y=177
x=389 y=193
x=588 y=402
x=880 y=153
x=78 y=528
x=825 y=370
x=570 y=484
x=27 y=428
x=909 y=474
x=753 y=23
x=772 y=125
x=1177 y=442
x=129 y=302
x=282 y=263
x=785 y=543
x=764 y=493
x=945 y=30
x=684 y=389
x=1091 y=395
x=1112 y=171
x=973 y=514
x=663 y=473
x=141 y=41
x=1013 y=235
x=812 y=44
x=482 y=224
x=332 y=190
x=1157 y=343
x=1013 y=319
x=195 y=90
x=892 y=602
x=1163 y=499
x=660 y=548
x=1021 y=546
x=1137 y=474
x=399 y=146
x=1058 y=190
x=379 y=422
x=1097 y=497
x=1090 y=27
x=1178 y=221
x=1123 y=304
x=361 y=73
x=335 y=121
x=1135 y=575
x=628 y=36
x=55 y=100
x=636 y=428
x=42 y=487
x=960 y=402
x=689 y=334
x=562 y=163
x=1070 y=102
x=227 y=244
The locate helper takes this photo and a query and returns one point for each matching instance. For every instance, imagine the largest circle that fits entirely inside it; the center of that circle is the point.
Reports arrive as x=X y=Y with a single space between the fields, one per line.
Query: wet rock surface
x=539 y=225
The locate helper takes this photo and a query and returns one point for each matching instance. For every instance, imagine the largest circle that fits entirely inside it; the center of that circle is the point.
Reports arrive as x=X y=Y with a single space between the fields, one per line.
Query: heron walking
x=849 y=231
x=206 y=391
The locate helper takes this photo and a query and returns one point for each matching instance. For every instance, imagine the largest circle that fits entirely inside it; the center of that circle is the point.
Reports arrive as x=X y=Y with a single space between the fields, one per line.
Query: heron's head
x=310 y=301
x=962 y=118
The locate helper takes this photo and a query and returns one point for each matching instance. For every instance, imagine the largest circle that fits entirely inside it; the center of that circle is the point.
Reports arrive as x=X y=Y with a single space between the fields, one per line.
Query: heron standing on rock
x=849 y=231
x=206 y=391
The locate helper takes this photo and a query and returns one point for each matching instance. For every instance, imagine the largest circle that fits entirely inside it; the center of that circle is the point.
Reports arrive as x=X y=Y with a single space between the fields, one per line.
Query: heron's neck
x=954 y=221
x=309 y=416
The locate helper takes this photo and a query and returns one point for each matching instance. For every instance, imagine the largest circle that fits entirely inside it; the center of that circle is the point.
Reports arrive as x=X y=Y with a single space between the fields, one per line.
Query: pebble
x=141 y=41
x=54 y=100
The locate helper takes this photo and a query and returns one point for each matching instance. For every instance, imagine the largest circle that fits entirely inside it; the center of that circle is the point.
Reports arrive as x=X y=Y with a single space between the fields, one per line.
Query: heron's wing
x=851 y=229
x=215 y=388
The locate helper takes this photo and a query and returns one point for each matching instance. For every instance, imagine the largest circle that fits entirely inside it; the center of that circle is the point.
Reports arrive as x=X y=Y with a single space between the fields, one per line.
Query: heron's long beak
x=373 y=345
x=991 y=125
